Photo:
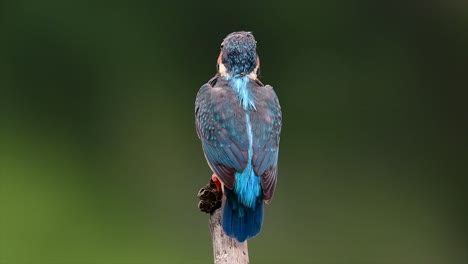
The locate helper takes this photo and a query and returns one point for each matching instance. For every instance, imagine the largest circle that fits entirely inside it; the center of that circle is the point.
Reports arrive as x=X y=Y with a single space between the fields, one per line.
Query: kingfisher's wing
x=221 y=128
x=266 y=122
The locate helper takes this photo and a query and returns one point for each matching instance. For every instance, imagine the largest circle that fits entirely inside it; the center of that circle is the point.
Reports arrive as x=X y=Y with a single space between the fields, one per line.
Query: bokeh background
x=100 y=162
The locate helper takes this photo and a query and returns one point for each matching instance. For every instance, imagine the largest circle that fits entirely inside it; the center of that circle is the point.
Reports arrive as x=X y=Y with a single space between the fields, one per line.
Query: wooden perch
x=226 y=250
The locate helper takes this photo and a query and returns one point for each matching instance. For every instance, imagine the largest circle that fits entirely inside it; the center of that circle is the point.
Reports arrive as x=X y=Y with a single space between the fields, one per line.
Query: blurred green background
x=100 y=162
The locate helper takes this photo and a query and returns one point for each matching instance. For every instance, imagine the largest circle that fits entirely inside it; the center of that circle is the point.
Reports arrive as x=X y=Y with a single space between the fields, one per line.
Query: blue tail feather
x=240 y=221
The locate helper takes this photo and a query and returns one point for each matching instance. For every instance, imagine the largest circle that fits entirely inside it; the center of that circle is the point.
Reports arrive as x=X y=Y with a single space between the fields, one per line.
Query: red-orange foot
x=215 y=179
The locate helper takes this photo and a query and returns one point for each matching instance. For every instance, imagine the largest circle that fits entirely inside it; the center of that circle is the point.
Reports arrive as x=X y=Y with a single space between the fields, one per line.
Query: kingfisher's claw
x=210 y=198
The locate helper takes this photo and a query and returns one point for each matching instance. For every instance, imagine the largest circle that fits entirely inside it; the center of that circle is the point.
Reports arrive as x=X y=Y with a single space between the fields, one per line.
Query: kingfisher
x=238 y=120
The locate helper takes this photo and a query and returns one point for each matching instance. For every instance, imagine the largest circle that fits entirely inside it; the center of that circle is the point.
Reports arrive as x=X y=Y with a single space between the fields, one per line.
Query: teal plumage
x=238 y=120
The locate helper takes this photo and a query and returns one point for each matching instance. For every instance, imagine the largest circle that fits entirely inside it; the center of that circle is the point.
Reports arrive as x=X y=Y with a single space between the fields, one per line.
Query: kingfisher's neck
x=242 y=87
x=223 y=71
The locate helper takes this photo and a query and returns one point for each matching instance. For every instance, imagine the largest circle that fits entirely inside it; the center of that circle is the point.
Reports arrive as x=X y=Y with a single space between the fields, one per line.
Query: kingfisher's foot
x=210 y=198
x=217 y=182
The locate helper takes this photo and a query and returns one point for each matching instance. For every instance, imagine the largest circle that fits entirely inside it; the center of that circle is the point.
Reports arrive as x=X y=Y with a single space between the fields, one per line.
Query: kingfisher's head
x=238 y=55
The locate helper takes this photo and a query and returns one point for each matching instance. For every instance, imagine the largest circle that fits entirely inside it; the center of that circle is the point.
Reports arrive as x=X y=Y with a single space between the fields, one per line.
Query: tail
x=239 y=221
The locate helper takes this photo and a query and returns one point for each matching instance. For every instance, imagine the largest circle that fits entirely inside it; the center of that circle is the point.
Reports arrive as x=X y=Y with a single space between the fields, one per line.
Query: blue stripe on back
x=240 y=84
x=247 y=185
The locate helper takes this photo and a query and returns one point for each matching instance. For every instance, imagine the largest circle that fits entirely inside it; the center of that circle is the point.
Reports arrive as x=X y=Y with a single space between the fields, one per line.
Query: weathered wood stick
x=225 y=248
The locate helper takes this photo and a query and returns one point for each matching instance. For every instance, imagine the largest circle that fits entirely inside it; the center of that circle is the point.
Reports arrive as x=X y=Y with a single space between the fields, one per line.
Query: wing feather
x=222 y=131
x=267 y=122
